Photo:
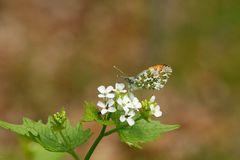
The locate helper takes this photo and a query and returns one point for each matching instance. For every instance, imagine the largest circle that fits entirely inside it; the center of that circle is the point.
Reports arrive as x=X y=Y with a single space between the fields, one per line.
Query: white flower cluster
x=154 y=108
x=114 y=99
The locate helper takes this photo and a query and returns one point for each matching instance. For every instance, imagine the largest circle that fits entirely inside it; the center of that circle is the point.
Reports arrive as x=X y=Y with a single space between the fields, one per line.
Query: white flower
x=125 y=102
x=136 y=103
x=155 y=110
x=128 y=117
x=105 y=92
x=106 y=107
x=119 y=87
x=128 y=103
x=152 y=99
x=131 y=95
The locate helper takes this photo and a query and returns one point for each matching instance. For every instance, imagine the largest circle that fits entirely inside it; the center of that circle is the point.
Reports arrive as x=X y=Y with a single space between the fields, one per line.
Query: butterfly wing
x=153 y=78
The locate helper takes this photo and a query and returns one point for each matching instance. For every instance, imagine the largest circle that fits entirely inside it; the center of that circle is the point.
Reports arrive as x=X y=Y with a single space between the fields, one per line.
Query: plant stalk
x=99 y=138
x=74 y=154
x=112 y=131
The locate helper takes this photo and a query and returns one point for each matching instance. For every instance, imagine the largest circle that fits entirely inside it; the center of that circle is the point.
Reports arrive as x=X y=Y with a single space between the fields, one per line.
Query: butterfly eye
x=129 y=80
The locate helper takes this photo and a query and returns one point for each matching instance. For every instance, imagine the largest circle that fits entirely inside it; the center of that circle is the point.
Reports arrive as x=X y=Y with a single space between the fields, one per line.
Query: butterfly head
x=131 y=83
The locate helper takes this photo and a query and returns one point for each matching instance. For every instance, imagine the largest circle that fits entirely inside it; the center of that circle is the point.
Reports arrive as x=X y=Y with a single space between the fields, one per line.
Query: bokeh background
x=55 y=53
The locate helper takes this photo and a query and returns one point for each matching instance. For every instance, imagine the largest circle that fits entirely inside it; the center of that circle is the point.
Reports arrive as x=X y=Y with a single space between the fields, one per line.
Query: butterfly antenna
x=119 y=70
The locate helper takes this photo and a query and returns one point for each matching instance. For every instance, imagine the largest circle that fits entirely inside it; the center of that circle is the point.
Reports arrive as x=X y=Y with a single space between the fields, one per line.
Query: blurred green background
x=55 y=53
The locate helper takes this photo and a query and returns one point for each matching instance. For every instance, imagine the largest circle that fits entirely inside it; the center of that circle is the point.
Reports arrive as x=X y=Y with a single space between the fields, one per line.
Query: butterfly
x=153 y=78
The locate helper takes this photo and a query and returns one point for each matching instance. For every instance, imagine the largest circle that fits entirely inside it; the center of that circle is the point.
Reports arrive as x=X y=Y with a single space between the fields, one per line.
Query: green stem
x=113 y=130
x=99 y=138
x=74 y=154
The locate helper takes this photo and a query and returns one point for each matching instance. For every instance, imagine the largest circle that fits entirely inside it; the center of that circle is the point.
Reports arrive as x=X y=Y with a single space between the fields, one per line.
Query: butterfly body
x=153 y=78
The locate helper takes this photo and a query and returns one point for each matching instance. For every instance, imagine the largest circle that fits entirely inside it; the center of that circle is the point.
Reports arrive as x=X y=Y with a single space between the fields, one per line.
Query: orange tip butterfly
x=153 y=78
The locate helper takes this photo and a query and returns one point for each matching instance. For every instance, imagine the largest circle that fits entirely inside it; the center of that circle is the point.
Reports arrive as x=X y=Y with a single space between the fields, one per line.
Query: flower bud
x=58 y=120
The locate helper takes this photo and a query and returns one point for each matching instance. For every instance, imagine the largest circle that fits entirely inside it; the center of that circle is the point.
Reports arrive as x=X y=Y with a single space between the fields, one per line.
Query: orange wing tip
x=157 y=67
x=161 y=67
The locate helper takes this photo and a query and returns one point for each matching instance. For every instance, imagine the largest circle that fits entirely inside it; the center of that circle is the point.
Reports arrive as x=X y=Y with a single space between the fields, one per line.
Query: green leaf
x=34 y=151
x=143 y=131
x=91 y=113
x=48 y=138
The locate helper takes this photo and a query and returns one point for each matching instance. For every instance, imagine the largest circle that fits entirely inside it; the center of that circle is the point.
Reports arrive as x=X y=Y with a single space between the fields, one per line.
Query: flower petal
x=101 y=96
x=129 y=105
x=110 y=102
x=104 y=111
x=122 y=118
x=131 y=95
x=135 y=100
x=131 y=113
x=158 y=113
x=152 y=107
x=123 y=91
x=136 y=103
x=101 y=104
x=119 y=86
x=130 y=121
x=157 y=107
x=109 y=89
x=101 y=89
x=126 y=99
x=126 y=109
x=120 y=101
x=152 y=99
x=111 y=109
x=110 y=95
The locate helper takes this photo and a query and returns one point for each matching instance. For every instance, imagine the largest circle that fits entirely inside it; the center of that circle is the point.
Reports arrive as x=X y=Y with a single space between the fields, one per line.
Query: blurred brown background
x=56 y=52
